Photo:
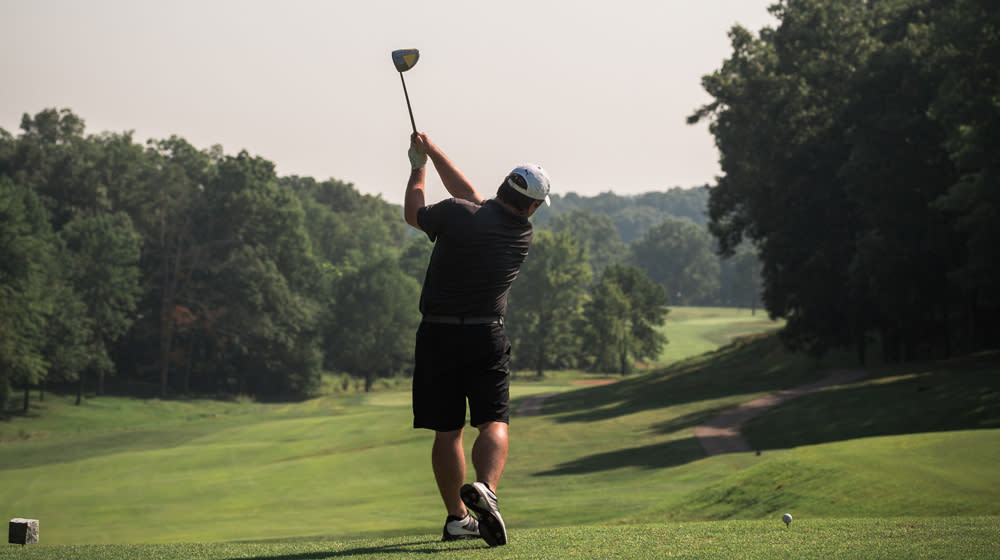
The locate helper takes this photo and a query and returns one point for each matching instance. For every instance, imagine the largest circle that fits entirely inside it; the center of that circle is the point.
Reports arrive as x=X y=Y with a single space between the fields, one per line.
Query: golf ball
x=787 y=518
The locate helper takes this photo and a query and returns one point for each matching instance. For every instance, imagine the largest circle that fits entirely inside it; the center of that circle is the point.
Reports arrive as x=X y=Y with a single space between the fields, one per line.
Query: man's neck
x=526 y=213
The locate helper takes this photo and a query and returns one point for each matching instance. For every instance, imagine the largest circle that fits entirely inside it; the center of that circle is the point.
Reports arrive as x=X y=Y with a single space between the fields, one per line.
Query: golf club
x=403 y=60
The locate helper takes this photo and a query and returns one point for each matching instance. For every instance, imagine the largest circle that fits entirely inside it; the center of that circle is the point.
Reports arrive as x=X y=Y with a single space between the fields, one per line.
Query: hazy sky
x=595 y=92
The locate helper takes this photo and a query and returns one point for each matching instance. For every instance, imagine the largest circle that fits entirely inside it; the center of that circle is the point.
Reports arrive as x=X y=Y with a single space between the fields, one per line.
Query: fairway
x=695 y=330
x=345 y=475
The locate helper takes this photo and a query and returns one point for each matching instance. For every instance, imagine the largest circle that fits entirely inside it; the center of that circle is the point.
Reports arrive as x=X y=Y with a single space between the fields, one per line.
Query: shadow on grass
x=752 y=365
x=657 y=456
x=962 y=394
x=419 y=547
x=690 y=420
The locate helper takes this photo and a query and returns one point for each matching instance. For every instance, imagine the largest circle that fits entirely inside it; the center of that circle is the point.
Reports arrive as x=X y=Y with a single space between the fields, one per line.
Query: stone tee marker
x=23 y=531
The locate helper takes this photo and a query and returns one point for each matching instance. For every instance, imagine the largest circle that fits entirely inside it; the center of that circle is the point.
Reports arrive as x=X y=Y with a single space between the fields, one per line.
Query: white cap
x=535 y=179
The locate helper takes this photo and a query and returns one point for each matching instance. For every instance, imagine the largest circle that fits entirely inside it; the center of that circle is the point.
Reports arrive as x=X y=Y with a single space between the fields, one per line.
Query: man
x=462 y=352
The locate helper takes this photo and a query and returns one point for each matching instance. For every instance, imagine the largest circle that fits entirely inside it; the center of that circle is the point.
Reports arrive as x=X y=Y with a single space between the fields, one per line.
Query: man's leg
x=489 y=456
x=489 y=453
x=448 y=461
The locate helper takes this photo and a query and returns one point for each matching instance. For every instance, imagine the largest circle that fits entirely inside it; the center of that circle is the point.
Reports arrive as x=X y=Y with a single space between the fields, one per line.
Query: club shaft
x=408 y=108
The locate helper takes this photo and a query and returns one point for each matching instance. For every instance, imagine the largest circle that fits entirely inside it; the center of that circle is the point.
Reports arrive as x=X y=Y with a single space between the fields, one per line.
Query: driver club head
x=404 y=59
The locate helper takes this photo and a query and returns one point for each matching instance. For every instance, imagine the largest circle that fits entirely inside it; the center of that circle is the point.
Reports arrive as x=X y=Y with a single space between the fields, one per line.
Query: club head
x=404 y=59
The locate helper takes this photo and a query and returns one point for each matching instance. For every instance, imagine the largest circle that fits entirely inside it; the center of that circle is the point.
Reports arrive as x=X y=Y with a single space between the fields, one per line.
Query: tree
x=677 y=254
x=621 y=319
x=414 y=257
x=965 y=47
x=29 y=282
x=596 y=233
x=53 y=159
x=253 y=294
x=371 y=334
x=265 y=335
x=739 y=278
x=777 y=120
x=545 y=301
x=605 y=327
x=104 y=272
x=173 y=227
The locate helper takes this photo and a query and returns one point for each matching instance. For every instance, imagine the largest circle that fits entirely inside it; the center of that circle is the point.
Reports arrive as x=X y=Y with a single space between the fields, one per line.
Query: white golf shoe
x=483 y=502
x=456 y=529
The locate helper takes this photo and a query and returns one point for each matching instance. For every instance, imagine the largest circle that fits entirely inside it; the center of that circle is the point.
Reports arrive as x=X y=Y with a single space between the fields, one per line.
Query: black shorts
x=459 y=362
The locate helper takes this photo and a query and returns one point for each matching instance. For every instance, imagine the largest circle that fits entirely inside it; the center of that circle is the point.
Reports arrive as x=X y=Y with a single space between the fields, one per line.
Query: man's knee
x=448 y=437
x=494 y=429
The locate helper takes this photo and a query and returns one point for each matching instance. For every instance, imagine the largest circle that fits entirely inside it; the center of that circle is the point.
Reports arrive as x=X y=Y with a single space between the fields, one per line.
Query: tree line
x=859 y=151
x=188 y=269
x=185 y=270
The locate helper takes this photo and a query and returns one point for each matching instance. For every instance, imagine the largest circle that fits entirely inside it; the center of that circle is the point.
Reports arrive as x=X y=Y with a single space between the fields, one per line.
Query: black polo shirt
x=478 y=250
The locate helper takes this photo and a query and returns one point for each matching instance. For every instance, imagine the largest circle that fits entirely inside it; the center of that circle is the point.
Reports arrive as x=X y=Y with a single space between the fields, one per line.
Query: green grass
x=954 y=395
x=695 y=330
x=607 y=471
x=968 y=538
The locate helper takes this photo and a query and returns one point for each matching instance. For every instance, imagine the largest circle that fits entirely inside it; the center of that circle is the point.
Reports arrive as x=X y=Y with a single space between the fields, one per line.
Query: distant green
x=696 y=330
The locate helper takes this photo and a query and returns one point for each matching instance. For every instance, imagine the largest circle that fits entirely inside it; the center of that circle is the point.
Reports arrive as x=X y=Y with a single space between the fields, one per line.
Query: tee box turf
x=23 y=531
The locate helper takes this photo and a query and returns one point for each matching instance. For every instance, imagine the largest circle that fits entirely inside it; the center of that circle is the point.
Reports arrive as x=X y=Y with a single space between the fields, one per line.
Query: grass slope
x=597 y=461
x=696 y=330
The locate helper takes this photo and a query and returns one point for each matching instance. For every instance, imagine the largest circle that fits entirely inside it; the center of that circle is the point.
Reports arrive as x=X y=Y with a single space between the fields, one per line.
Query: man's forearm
x=453 y=179
x=413 y=198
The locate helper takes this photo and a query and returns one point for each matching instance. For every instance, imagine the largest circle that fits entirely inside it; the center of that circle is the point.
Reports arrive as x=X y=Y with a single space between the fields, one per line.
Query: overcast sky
x=596 y=92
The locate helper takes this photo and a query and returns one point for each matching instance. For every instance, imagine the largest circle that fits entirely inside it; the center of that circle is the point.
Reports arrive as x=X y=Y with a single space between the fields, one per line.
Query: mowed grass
x=695 y=330
x=967 y=538
x=604 y=472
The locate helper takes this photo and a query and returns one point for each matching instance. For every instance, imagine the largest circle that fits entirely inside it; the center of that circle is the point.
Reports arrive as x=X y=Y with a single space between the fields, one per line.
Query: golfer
x=462 y=351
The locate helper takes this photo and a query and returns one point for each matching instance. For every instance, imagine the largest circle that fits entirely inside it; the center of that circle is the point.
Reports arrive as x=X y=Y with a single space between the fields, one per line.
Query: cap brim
x=547 y=201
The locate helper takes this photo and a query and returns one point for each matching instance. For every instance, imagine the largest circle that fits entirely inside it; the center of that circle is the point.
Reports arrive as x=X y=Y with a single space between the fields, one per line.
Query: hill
x=120 y=470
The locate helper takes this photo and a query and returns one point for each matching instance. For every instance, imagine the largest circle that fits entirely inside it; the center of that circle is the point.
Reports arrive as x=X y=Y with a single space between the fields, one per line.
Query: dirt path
x=721 y=434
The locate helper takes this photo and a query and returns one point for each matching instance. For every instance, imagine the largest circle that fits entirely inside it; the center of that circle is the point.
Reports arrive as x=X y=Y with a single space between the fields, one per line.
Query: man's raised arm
x=452 y=179
x=413 y=198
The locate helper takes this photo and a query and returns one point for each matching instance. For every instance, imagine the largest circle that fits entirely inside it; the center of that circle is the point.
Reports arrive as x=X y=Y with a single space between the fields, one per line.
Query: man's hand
x=454 y=181
x=422 y=143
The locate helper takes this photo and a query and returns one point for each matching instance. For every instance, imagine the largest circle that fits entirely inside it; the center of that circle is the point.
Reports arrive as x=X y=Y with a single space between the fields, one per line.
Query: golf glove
x=417 y=159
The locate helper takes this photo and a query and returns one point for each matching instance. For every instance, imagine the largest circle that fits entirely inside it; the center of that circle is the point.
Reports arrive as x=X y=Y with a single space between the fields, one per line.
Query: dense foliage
x=193 y=271
x=187 y=270
x=858 y=145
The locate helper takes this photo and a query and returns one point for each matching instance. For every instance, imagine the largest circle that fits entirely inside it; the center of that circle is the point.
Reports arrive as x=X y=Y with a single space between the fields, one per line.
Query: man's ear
x=534 y=206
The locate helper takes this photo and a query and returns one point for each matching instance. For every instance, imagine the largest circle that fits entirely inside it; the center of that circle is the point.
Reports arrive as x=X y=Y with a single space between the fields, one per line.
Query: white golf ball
x=787 y=518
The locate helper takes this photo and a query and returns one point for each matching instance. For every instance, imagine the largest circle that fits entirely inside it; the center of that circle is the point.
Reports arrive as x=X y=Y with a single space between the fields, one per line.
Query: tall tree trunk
x=187 y=369
x=27 y=392
x=862 y=349
x=79 y=389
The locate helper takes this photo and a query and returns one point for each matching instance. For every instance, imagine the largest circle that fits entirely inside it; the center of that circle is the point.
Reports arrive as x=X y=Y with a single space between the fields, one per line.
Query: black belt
x=464 y=320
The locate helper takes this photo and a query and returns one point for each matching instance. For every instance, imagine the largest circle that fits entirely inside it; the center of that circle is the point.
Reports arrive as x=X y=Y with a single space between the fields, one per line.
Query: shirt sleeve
x=429 y=218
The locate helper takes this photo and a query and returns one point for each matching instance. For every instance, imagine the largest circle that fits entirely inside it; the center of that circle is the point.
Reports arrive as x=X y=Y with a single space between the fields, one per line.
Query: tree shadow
x=931 y=400
x=751 y=366
x=689 y=420
x=656 y=456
